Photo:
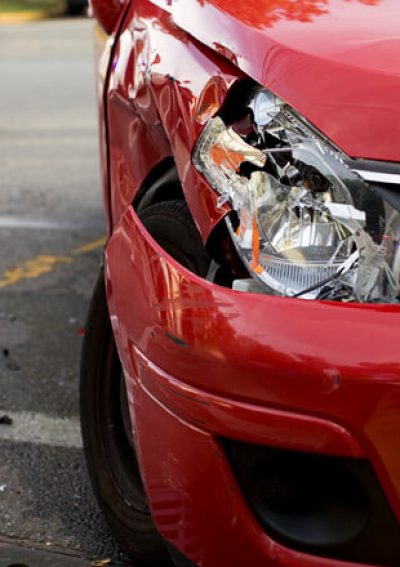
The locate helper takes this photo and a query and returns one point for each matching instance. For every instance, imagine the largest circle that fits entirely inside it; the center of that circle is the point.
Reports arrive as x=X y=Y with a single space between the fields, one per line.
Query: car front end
x=264 y=392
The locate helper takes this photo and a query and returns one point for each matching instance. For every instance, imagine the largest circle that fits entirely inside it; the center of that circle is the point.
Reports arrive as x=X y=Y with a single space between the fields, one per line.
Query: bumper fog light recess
x=321 y=507
x=326 y=506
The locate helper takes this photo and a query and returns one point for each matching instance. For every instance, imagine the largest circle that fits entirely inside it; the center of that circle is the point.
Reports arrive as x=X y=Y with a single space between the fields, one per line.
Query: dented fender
x=163 y=87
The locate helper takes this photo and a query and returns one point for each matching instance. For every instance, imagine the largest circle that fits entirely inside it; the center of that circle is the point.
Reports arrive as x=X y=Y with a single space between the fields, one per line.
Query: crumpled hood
x=335 y=61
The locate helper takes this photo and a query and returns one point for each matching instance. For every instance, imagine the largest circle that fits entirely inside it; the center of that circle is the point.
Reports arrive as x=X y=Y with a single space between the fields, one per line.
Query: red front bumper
x=204 y=362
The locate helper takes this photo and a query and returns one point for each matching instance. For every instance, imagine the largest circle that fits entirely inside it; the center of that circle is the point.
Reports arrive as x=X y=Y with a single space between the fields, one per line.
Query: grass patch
x=14 y=6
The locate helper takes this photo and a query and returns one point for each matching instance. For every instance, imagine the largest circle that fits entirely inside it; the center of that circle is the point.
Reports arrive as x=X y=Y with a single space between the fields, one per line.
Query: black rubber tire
x=171 y=225
x=109 y=448
x=110 y=457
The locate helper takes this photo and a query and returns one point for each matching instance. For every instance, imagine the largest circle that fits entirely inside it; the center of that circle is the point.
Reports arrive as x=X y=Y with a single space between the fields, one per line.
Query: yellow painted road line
x=90 y=246
x=32 y=269
x=43 y=264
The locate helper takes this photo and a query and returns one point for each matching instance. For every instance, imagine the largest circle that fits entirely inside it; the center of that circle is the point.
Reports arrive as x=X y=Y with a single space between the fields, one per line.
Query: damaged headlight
x=306 y=225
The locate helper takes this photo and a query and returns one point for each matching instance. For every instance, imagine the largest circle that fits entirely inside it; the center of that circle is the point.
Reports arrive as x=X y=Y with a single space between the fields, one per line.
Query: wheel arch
x=161 y=184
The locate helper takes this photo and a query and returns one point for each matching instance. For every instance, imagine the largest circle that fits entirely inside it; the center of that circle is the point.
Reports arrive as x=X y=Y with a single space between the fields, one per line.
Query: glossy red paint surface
x=288 y=378
x=107 y=12
x=244 y=421
x=202 y=361
x=163 y=87
x=168 y=76
x=335 y=61
x=195 y=486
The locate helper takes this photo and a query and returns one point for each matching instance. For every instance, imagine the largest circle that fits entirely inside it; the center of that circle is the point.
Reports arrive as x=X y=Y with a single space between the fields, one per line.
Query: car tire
x=106 y=429
x=171 y=225
x=108 y=447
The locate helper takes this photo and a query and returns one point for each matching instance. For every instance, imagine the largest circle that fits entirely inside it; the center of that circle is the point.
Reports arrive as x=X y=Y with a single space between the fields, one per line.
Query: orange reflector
x=221 y=156
x=256 y=242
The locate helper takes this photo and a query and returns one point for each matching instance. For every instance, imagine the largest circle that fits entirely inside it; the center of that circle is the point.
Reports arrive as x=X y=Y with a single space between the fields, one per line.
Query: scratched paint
x=44 y=264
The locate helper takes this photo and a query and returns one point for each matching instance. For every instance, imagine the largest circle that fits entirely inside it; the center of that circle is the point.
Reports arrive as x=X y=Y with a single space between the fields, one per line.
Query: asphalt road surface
x=51 y=230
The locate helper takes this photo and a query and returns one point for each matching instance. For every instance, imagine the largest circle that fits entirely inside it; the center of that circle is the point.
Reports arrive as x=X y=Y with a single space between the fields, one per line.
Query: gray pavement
x=50 y=206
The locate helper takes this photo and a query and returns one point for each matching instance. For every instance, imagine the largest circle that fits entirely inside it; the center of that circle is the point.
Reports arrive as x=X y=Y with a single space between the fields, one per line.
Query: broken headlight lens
x=306 y=225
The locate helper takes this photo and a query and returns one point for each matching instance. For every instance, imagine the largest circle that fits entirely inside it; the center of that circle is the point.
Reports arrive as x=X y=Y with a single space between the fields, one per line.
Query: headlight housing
x=306 y=225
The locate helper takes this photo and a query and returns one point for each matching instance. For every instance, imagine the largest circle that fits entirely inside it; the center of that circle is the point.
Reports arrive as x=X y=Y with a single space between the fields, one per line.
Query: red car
x=241 y=368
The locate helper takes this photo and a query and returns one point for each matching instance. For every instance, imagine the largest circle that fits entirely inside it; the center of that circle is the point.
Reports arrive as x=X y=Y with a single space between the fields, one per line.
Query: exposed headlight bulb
x=303 y=226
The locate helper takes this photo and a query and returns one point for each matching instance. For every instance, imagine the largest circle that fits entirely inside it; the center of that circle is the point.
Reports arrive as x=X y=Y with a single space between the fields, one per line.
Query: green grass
x=8 y=6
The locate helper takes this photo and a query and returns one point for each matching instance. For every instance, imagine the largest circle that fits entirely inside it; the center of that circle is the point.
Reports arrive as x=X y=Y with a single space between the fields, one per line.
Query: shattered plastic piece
x=222 y=200
x=229 y=150
x=265 y=107
x=309 y=226
x=348 y=215
x=219 y=154
x=248 y=285
x=3 y=487
x=375 y=280
x=6 y=420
